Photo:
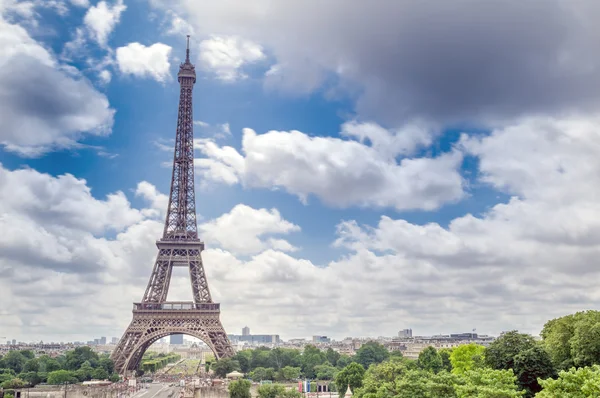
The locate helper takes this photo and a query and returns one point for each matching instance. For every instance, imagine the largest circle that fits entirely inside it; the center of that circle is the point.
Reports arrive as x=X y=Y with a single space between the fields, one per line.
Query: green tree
x=382 y=377
x=14 y=383
x=270 y=391
x=467 y=357
x=28 y=354
x=84 y=373
x=371 y=352
x=224 y=366
x=343 y=361
x=32 y=365
x=14 y=360
x=31 y=378
x=75 y=358
x=445 y=355
x=575 y=383
x=114 y=378
x=290 y=373
x=430 y=359
x=531 y=365
x=325 y=371
x=332 y=356
x=351 y=375
x=311 y=357
x=107 y=364
x=488 y=383
x=244 y=358
x=417 y=383
x=47 y=364
x=61 y=376
x=261 y=373
x=240 y=389
x=500 y=354
x=100 y=374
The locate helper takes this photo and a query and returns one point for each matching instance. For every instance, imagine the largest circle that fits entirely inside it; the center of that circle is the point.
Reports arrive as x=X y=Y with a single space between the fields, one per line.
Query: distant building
x=255 y=338
x=114 y=340
x=405 y=333
x=103 y=340
x=245 y=331
x=464 y=336
x=96 y=341
x=176 y=339
x=321 y=339
x=14 y=342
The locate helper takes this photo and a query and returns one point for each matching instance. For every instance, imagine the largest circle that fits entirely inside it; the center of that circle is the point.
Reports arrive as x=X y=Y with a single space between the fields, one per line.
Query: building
x=255 y=339
x=245 y=331
x=114 y=340
x=405 y=333
x=176 y=339
x=321 y=339
x=103 y=340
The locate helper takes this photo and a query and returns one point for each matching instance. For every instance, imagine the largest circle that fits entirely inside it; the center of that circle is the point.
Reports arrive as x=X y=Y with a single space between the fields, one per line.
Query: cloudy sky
x=361 y=167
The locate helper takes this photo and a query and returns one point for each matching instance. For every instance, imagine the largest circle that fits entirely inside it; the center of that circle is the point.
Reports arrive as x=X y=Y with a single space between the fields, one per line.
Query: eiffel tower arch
x=155 y=317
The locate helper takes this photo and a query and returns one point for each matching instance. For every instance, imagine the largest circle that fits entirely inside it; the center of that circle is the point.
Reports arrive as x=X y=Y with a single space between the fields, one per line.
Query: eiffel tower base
x=150 y=325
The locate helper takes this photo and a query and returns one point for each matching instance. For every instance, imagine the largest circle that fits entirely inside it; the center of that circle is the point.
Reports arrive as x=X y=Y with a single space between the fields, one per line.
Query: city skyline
x=357 y=175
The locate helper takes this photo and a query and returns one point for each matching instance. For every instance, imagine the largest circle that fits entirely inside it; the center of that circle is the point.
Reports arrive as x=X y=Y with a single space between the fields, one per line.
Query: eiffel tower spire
x=180 y=223
x=154 y=317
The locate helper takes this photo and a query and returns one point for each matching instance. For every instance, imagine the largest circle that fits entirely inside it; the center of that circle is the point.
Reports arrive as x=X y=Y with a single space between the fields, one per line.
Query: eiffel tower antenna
x=155 y=317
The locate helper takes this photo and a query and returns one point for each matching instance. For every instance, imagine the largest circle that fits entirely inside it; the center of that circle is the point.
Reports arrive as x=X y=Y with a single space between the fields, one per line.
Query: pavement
x=157 y=390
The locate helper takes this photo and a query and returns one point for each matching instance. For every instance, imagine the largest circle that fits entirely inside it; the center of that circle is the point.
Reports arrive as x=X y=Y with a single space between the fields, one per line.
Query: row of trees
x=21 y=369
x=281 y=364
x=151 y=362
x=564 y=364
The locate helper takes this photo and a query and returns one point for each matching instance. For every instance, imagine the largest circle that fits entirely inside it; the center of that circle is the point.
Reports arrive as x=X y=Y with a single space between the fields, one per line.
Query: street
x=158 y=390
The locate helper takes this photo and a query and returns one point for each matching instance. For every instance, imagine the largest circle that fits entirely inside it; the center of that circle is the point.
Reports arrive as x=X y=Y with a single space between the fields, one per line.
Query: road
x=158 y=390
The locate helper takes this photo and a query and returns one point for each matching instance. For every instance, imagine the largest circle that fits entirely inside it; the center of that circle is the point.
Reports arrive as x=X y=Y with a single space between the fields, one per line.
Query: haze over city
x=360 y=167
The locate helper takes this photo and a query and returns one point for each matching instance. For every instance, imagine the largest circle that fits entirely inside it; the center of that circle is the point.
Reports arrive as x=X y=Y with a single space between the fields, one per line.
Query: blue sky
x=405 y=166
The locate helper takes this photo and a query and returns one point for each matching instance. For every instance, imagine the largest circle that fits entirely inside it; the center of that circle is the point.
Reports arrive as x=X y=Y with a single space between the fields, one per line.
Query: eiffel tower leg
x=148 y=326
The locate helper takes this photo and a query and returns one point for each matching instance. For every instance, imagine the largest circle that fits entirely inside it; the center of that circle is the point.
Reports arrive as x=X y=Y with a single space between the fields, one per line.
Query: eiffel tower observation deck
x=155 y=317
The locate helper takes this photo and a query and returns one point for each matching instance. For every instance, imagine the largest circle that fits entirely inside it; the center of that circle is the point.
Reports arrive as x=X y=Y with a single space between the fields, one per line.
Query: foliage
x=445 y=355
x=240 y=389
x=259 y=374
x=75 y=358
x=61 y=376
x=311 y=357
x=277 y=391
x=343 y=361
x=575 y=383
x=573 y=340
x=154 y=363
x=500 y=354
x=224 y=366
x=467 y=357
x=487 y=383
x=351 y=375
x=14 y=383
x=430 y=360
x=531 y=365
x=289 y=373
x=371 y=352
x=326 y=371
x=14 y=360
x=383 y=375
x=332 y=356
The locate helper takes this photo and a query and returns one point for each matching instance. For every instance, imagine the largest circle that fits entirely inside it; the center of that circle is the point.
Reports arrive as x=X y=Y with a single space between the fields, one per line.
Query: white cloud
x=242 y=230
x=548 y=63
x=49 y=107
x=178 y=26
x=80 y=3
x=102 y=18
x=340 y=173
x=142 y=61
x=226 y=56
x=105 y=76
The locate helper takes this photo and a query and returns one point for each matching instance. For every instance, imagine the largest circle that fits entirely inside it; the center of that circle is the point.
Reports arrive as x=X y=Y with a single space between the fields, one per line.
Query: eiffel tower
x=154 y=317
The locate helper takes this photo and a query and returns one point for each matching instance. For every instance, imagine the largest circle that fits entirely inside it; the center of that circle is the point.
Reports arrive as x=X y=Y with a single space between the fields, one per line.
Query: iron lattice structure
x=154 y=317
